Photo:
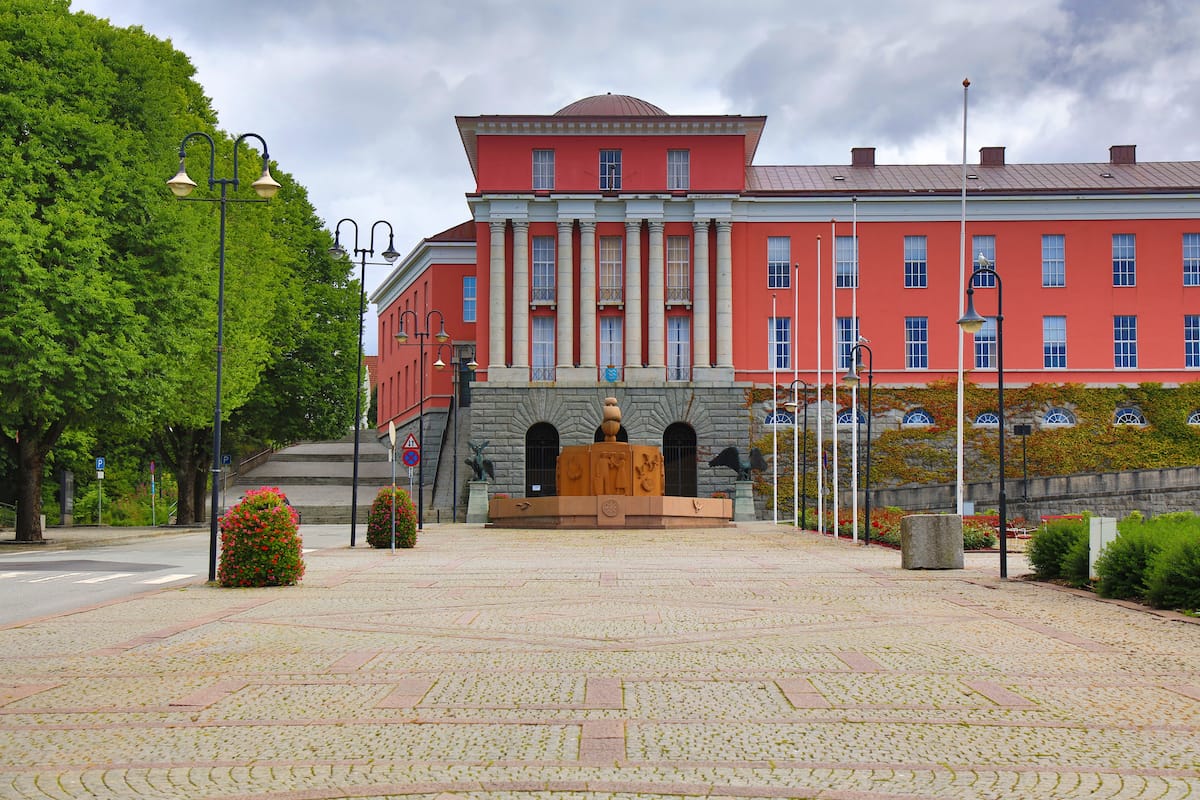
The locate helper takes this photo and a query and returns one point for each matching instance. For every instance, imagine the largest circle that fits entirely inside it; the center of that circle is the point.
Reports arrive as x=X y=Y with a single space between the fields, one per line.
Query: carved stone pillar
x=497 y=306
x=520 y=308
x=656 y=301
x=566 y=296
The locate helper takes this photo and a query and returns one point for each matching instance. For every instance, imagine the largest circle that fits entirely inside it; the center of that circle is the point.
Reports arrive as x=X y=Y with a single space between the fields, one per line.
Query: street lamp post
x=852 y=379
x=181 y=186
x=459 y=367
x=339 y=252
x=971 y=322
x=795 y=406
x=402 y=337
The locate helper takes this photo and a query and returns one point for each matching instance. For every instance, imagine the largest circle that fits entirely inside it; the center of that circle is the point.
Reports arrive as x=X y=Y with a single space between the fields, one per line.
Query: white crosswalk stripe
x=168 y=579
x=49 y=578
x=103 y=578
x=4 y=575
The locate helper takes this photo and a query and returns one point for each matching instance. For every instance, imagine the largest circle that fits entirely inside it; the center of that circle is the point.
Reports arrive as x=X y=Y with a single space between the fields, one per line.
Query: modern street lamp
x=402 y=337
x=851 y=379
x=794 y=406
x=972 y=323
x=181 y=186
x=340 y=252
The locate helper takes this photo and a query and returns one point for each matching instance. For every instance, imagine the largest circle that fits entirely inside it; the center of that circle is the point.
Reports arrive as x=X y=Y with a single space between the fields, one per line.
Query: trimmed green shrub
x=1174 y=579
x=1124 y=564
x=1052 y=542
x=1074 y=566
x=978 y=535
x=260 y=542
x=379 y=520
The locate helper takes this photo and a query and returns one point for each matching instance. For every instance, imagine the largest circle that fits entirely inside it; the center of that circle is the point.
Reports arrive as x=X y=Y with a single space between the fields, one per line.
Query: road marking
x=169 y=578
x=104 y=578
x=12 y=574
x=55 y=577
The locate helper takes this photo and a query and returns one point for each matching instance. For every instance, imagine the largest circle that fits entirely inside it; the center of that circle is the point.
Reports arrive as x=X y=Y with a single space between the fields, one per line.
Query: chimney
x=862 y=156
x=991 y=156
x=1122 y=154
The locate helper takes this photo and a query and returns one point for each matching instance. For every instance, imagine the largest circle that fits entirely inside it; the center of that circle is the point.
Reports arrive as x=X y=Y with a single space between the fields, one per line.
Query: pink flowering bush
x=260 y=542
x=379 y=521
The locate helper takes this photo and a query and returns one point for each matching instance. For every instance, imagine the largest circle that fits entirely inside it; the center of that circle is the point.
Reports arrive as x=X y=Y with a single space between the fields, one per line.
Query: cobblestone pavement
x=745 y=663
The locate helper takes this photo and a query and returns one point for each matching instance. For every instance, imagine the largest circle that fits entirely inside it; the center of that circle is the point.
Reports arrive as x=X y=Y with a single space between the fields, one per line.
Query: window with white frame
x=679 y=270
x=543 y=169
x=679 y=349
x=1129 y=415
x=1194 y=418
x=1125 y=341
x=543 y=349
x=612 y=352
x=847 y=337
x=1059 y=417
x=1191 y=259
x=678 y=169
x=917 y=417
x=779 y=259
x=984 y=246
x=611 y=272
x=469 y=298
x=1191 y=340
x=542 y=283
x=916 y=262
x=1054 y=342
x=985 y=345
x=847 y=417
x=1124 y=259
x=610 y=170
x=779 y=331
x=845 y=267
x=916 y=342
x=988 y=419
x=1054 y=259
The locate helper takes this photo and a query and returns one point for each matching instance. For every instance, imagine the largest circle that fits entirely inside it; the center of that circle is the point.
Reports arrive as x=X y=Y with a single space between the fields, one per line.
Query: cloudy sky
x=357 y=98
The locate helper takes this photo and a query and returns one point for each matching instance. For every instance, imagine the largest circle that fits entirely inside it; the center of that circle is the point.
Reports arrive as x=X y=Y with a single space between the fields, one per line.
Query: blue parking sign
x=99 y=463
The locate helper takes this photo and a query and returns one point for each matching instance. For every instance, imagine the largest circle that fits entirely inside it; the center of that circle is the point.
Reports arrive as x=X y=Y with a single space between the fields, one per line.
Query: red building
x=615 y=249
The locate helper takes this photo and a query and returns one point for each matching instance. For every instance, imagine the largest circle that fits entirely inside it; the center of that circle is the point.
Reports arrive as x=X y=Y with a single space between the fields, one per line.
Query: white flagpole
x=774 y=408
x=854 y=388
x=795 y=383
x=962 y=290
x=820 y=404
x=833 y=367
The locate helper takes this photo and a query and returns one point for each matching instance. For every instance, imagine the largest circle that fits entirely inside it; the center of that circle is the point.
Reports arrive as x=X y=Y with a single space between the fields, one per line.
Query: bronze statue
x=483 y=467
x=729 y=457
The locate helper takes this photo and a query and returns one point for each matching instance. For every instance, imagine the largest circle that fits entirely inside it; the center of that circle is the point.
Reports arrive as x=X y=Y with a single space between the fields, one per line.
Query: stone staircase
x=317 y=477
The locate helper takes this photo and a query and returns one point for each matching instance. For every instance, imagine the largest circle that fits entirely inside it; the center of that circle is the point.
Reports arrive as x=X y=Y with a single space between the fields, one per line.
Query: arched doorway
x=541 y=454
x=679 y=459
x=622 y=435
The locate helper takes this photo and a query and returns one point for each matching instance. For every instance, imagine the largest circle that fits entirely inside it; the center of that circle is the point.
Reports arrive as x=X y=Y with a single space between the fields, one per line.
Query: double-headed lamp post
x=972 y=322
x=851 y=378
x=181 y=186
x=795 y=406
x=402 y=337
x=340 y=252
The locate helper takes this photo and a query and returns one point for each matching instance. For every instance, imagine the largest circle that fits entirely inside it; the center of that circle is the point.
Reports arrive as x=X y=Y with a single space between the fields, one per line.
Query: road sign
x=392 y=433
x=99 y=463
x=411 y=456
x=411 y=443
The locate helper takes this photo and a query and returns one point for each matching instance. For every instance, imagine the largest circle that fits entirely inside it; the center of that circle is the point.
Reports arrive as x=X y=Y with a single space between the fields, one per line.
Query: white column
x=497 y=340
x=633 y=294
x=725 y=294
x=566 y=296
x=587 y=294
x=520 y=311
x=656 y=300
x=700 y=301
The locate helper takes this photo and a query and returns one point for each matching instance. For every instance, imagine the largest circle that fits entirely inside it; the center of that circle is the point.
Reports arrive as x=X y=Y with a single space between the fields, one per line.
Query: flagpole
x=833 y=367
x=854 y=388
x=820 y=404
x=795 y=383
x=962 y=289
x=774 y=408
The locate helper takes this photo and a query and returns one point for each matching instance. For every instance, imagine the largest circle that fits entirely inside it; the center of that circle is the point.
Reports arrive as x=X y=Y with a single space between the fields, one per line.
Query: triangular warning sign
x=410 y=442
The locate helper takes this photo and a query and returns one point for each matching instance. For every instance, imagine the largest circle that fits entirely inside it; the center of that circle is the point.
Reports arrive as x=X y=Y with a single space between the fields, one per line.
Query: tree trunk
x=31 y=462
x=200 y=493
x=187 y=457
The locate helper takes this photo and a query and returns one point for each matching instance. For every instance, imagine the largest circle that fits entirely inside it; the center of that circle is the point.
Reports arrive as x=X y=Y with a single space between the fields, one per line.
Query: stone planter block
x=743 y=501
x=477 y=501
x=931 y=541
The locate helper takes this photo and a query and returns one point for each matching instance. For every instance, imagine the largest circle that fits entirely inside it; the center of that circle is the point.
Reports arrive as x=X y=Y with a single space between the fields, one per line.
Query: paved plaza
x=753 y=662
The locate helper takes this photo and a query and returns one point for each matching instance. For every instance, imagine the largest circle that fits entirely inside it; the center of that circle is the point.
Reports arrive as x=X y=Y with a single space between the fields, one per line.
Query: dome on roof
x=610 y=105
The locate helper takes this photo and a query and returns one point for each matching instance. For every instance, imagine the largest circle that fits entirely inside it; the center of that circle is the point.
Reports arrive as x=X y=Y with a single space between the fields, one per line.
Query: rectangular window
x=845 y=253
x=1124 y=258
x=543 y=349
x=612 y=352
x=1191 y=340
x=469 y=298
x=1054 y=342
x=678 y=270
x=916 y=262
x=779 y=262
x=780 y=333
x=1125 y=342
x=916 y=342
x=679 y=349
x=611 y=281
x=542 y=283
x=610 y=170
x=543 y=169
x=1191 y=259
x=1054 y=260
x=847 y=337
x=985 y=345
x=678 y=169
x=984 y=248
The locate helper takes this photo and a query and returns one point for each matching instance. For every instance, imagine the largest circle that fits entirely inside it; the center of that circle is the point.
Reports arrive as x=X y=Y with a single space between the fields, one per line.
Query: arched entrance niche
x=679 y=459
x=541 y=454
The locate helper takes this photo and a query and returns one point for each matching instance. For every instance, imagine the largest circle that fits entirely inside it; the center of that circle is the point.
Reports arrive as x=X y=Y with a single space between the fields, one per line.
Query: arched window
x=1058 y=416
x=1129 y=415
x=541 y=455
x=780 y=418
x=988 y=419
x=1194 y=418
x=918 y=416
x=846 y=417
x=679 y=460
